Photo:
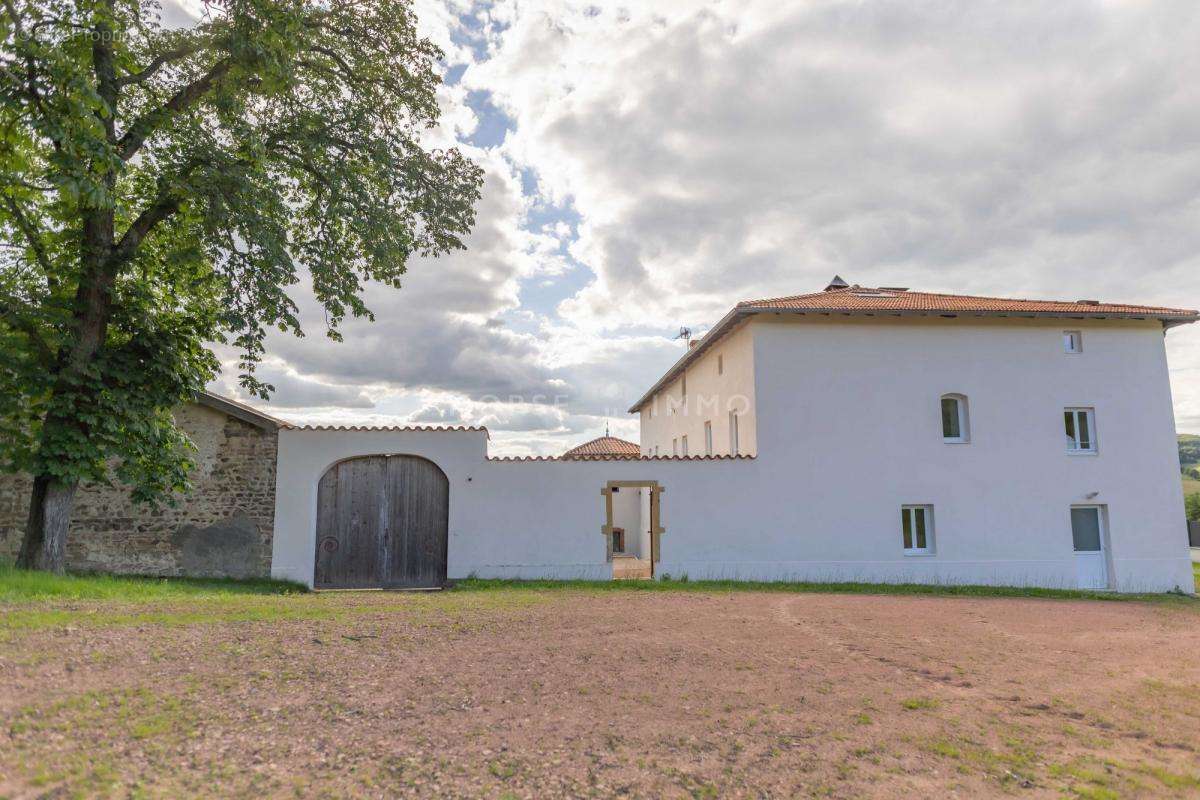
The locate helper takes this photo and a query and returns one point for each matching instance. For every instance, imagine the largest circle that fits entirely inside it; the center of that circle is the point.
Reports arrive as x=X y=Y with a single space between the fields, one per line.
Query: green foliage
x=1189 y=455
x=162 y=190
x=1191 y=504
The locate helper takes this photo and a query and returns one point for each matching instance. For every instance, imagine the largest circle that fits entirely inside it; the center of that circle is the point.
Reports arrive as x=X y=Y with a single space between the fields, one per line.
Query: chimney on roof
x=1088 y=302
x=693 y=343
x=837 y=283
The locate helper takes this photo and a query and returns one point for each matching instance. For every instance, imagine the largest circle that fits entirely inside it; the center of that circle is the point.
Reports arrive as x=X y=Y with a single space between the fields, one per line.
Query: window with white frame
x=1079 y=424
x=916 y=526
x=733 y=433
x=708 y=438
x=674 y=447
x=683 y=445
x=955 y=427
x=1073 y=341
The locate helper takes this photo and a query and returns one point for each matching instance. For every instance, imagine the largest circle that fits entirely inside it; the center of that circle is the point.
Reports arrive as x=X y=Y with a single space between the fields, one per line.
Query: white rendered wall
x=850 y=408
x=710 y=397
x=508 y=519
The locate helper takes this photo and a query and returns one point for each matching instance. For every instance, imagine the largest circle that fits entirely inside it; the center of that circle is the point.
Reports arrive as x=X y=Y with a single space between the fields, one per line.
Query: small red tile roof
x=604 y=446
x=843 y=299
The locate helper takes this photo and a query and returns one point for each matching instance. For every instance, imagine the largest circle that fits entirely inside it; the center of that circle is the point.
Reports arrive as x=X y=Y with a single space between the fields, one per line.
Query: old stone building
x=223 y=527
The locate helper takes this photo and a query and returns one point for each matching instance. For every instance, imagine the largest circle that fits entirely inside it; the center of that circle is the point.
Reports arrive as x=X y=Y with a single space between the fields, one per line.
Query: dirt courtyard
x=519 y=692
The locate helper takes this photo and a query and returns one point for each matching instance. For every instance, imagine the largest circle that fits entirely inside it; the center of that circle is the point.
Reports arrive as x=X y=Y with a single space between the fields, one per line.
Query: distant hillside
x=1189 y=455
x=1189 y=462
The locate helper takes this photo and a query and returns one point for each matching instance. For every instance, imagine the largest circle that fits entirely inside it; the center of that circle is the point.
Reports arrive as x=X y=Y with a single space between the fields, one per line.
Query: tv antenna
x=685 y=334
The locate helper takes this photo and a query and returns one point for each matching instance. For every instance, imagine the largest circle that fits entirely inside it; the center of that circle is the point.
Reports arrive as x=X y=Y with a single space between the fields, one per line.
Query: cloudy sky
x=650 y=163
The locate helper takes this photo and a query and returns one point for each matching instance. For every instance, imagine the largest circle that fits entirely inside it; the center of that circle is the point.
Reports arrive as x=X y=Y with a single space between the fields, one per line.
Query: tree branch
x=160 y=61
x=183 y=99
x=30 y=233
x=166 y=204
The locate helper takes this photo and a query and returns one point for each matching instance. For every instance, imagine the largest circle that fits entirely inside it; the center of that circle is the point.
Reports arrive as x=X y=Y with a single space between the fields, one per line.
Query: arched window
x=956 y=428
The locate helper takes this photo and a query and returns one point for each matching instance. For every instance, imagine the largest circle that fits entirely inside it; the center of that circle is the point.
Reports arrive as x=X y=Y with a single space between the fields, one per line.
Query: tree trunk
x=45 y=543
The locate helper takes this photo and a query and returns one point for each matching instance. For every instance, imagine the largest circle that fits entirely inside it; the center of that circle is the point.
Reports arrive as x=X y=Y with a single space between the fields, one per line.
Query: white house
x=866 y=434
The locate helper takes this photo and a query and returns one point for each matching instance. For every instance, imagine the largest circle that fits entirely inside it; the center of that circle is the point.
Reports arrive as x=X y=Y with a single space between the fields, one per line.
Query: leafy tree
x=161 y=189
x=1191 y=505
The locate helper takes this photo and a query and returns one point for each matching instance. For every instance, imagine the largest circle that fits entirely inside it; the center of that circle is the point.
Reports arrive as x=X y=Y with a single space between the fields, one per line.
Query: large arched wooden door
x=382 y=523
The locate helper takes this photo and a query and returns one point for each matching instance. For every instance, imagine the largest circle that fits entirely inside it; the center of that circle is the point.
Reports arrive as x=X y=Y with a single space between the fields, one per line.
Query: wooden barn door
x=382 y=522
x=418 y=495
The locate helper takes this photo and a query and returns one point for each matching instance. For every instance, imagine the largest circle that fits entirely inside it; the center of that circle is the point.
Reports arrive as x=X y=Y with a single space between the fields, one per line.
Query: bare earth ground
x=571 y=692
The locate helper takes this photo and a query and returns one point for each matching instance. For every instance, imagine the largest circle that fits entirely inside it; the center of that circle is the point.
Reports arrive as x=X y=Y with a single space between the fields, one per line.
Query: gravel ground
x=523 y=693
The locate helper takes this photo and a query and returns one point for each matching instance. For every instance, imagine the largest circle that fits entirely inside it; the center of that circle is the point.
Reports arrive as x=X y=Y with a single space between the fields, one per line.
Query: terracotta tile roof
x=406 y=428
x=604 y=446
x=842 y=299
x=621 y=458
x=858 y=298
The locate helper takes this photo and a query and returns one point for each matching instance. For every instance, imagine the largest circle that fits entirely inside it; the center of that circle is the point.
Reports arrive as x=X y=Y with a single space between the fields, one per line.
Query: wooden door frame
x=656 y=528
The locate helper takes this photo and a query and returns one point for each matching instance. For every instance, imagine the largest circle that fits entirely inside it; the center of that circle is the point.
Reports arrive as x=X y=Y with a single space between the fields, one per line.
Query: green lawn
x=192 y=599
x=941 y=590
x=22 y=585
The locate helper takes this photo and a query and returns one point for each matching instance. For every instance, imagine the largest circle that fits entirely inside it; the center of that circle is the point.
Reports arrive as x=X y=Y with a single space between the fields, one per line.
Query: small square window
x=1079 y=425
x=916 y=527
x=1072 y=341
x=618 y=540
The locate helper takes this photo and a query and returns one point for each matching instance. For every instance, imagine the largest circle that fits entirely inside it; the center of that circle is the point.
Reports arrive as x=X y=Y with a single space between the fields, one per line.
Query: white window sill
x=918 y=553
x=1082 y=452
x=956 y=441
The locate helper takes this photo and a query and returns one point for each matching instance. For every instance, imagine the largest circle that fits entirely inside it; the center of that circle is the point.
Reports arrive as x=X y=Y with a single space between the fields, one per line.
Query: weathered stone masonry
x=223 y=527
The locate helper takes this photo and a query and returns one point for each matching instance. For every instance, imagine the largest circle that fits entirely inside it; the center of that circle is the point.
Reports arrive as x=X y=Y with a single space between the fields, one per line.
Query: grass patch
x=37 y=600
x=919 y=703
x=800 y=587
x=1016 y=763
x=111 y=722
x=18 y=585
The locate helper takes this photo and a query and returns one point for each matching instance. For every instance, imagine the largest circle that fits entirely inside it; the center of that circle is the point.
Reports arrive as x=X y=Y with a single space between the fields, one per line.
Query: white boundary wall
x=851 y=432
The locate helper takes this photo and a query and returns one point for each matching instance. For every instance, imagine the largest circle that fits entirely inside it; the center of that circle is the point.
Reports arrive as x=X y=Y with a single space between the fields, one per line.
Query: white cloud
x=717 y=152
x=710 y=152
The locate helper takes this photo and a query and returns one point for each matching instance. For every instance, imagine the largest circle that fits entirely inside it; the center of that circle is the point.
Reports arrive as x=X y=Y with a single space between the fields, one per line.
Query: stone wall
x=223 y=527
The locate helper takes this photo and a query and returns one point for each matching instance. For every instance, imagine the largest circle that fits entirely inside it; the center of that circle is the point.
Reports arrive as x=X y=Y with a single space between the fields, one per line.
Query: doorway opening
x=632 y=528
x=1089 y=535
